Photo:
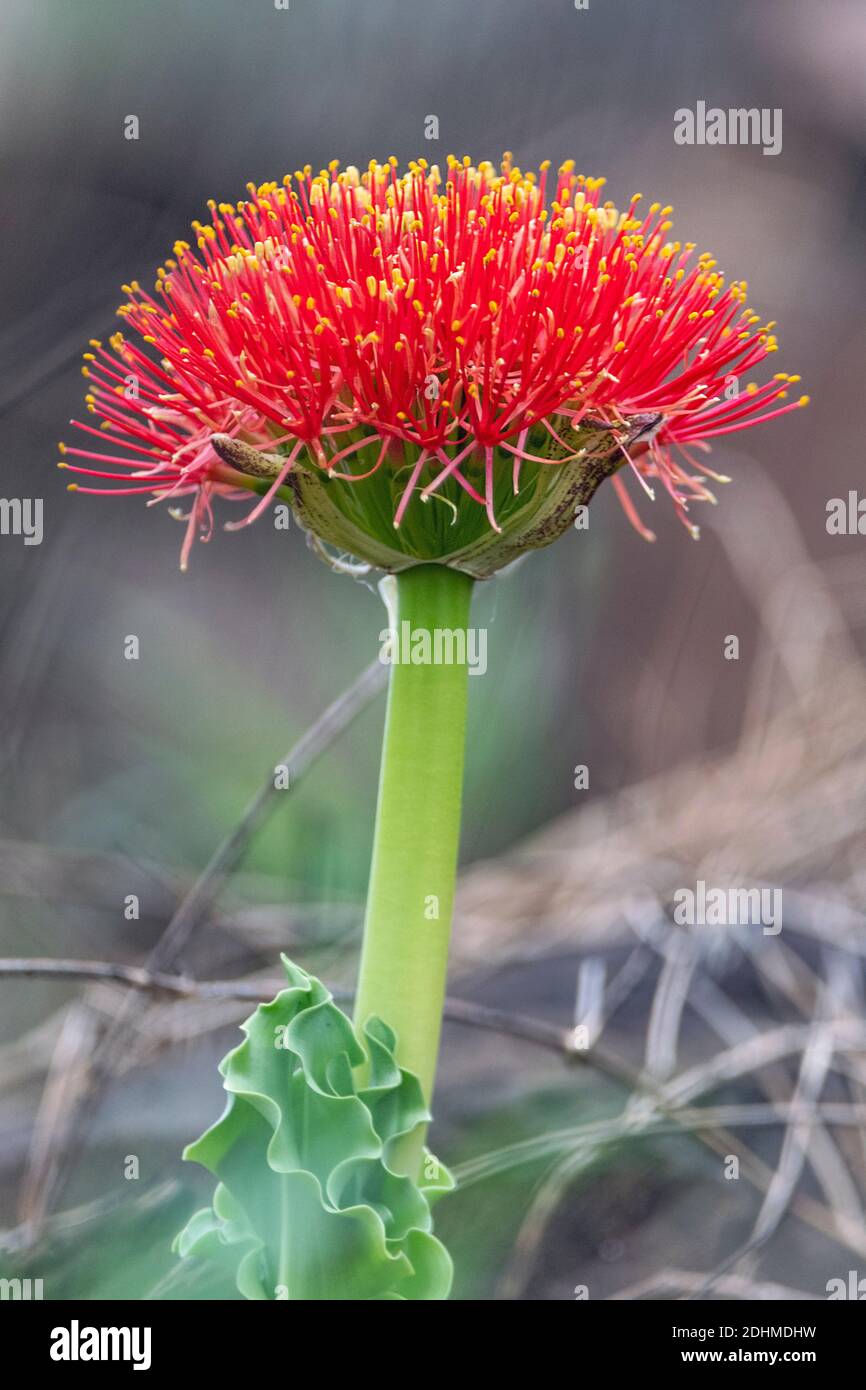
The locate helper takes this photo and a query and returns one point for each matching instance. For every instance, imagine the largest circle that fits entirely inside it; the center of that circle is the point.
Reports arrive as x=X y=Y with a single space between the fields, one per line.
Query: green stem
x=411 y=894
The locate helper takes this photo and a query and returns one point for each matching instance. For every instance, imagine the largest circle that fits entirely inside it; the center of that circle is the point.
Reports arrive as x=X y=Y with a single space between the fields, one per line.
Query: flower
x=366 y=344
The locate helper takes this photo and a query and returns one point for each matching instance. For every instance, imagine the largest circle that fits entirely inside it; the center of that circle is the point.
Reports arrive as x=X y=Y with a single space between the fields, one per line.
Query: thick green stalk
x=411 y=894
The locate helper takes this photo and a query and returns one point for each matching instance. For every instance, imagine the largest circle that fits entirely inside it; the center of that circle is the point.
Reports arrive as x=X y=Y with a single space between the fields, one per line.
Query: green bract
x=309 y=1204
x=356 y=517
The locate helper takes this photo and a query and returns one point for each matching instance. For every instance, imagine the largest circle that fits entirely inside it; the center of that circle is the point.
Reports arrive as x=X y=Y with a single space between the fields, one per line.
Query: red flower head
x=365 y=344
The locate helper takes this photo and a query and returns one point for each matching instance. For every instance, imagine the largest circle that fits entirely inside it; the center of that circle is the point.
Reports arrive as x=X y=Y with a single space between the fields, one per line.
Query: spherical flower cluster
x=362 y=344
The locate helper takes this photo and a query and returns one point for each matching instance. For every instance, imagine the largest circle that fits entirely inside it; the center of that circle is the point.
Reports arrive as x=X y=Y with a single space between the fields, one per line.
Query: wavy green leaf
x=308 y=1204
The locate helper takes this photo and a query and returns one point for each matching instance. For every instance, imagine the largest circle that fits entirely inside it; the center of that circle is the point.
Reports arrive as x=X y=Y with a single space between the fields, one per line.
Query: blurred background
x=121 y=777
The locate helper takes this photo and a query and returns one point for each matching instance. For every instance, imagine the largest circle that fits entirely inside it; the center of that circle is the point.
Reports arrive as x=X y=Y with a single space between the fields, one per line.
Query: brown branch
x=536 y=1031
x=309 y=747
x=135 y=976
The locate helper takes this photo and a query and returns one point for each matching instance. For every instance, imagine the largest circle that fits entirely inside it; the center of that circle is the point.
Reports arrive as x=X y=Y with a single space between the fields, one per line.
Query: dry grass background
x=678 y=1019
